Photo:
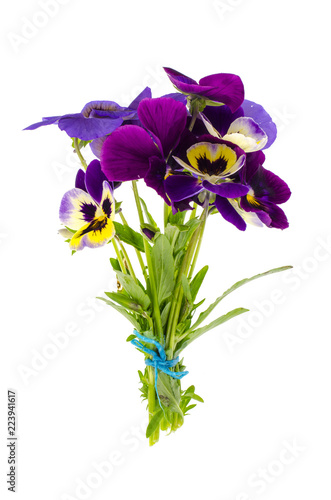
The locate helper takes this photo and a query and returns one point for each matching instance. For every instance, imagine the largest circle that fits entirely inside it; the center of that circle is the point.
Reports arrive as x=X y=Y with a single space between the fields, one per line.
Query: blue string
x=159 y=360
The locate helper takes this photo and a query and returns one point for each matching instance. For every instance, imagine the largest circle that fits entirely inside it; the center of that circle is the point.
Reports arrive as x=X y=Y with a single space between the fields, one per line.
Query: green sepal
x=115 y=264
x=150 y=219
x=129 y=236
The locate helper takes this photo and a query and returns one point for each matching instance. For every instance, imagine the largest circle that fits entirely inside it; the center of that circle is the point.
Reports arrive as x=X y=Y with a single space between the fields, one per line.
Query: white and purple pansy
x=89 y=209
x=220 y=88
x=97 y=118
x=250 y=127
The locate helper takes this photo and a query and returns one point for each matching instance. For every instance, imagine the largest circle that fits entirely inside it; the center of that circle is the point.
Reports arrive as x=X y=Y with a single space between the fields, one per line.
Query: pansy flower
x=133 y=152
x=89 y=209
x=211 y=162
x=260 y=205
x=250 y=127
x=97 y=119
x=224 y=88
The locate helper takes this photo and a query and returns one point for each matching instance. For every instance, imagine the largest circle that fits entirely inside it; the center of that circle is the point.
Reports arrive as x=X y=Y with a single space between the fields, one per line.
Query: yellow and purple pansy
x=89 y=209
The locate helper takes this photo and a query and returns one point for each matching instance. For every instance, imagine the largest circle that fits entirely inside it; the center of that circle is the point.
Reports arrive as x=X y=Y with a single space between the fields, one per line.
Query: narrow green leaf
x=206 y=313
x=165 y=314
x=123 y=311
x=148 y=215
x=197 y=281
x=163 y=264
x=194 y=396
x=134 y=290
x=115 y=264
x=131 y=337
x=129 y=236
x=189 y=408
x=185 y=236
x=193 y=335
x=124 y=301
x=154 y=423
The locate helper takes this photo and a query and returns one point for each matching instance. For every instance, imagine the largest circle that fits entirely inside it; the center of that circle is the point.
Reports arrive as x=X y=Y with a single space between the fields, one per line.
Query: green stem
x=191 y=253
x=151 y=403
x=80 y=156
x=127 y=259
x=156 y=308
x=140 y=259
x=165 y=214
x=119 y=256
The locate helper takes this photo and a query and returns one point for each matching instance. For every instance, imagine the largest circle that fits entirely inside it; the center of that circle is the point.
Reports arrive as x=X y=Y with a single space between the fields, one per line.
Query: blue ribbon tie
x=159 y=360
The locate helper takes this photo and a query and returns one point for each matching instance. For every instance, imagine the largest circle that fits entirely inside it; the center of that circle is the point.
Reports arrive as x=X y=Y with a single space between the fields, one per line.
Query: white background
x=265 y=377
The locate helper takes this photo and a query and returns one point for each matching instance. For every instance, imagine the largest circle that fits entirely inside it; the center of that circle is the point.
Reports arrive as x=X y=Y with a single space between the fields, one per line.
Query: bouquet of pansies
x=201 y=150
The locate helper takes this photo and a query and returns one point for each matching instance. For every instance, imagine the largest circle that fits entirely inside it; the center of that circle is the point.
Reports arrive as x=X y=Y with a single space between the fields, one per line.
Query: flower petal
x=262 y=118
x=154 y=177
x=94 y=234
x=165 y=118
x=77 y=208
x=227 y=189
x=223 y=87
x=125 y=153
x=146 y=93
x=77 y=125
x=180 y=187
x=80 y=180
x=94 y=179
x=246 y=133
x=229 y=213
x=107 y=203
x=50 y=120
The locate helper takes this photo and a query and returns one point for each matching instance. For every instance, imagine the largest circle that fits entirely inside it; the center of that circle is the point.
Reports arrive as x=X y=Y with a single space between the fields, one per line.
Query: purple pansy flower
x=97 y=119
x=133 y=152
x=260 y=205
x=224 y=88
x=89 y=209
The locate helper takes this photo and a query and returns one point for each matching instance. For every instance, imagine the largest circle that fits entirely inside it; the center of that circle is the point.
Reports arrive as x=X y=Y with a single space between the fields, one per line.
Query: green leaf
x=154 y=423
x=124 y=301
x=193 y=335
x=177 y=218
x=197 y=281
x=115 y=264
x=186 y=288
x=134 y=290
x=118 y=206
x=206 y=313
x=194 y=396
x=169 y=392
x=123 y=311
x=131 y=337
x=129 y=236
x=189 y=408
x=165 y=314
x=150 y=219
x=163 y=264
x=185 y=236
